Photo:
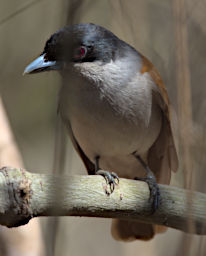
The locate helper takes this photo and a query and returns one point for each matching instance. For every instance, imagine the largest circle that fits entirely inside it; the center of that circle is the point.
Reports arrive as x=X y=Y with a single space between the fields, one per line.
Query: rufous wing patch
x=147 y=66
x=162 y=155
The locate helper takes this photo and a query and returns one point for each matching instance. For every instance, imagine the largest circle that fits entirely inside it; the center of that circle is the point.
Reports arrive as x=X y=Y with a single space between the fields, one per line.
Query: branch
x=25 y=195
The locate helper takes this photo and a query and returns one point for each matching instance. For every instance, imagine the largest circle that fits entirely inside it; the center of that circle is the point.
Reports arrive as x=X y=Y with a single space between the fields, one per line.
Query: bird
x=116 y=109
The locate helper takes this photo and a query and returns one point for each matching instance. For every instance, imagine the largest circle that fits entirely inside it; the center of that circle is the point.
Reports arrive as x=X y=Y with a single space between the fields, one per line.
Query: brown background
x=152 y=26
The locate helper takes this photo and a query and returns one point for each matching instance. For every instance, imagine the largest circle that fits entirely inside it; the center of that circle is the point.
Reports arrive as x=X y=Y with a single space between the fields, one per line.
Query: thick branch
x=24 y=195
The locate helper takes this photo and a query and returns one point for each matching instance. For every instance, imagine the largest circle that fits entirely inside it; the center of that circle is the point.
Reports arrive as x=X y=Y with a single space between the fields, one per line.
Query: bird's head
x=77 y=44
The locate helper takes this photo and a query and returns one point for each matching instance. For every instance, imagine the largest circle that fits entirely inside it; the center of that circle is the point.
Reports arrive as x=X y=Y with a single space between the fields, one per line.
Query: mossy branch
x=24 y=195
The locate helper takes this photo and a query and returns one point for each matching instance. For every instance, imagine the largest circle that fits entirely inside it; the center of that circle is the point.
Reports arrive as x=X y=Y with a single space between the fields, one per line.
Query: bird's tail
x=123 y=230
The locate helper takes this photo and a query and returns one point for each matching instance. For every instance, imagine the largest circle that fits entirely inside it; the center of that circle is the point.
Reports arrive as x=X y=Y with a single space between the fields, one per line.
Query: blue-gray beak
x=40 y=65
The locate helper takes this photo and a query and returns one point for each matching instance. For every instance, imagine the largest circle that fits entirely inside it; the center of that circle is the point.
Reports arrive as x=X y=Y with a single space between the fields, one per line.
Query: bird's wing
x=88 y=164
x=162 y=157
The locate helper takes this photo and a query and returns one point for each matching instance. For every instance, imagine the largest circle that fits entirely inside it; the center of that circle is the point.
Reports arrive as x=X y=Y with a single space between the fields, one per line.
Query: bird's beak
x=40 y=65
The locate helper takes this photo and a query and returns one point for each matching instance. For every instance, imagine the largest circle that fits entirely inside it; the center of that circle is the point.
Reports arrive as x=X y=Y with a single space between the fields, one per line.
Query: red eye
x=80 y=53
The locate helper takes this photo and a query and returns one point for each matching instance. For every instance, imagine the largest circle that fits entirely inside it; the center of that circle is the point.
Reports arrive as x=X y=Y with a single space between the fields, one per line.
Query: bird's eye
x=80 y=53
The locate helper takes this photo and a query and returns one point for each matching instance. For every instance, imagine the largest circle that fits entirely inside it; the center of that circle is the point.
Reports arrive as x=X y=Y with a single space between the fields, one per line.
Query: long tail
x=123 y=230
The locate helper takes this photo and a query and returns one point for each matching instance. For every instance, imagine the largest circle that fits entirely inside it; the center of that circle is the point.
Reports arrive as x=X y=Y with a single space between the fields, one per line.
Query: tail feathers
x=127 y=231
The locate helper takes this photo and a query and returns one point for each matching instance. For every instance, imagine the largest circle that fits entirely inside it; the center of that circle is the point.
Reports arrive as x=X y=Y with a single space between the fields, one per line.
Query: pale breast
x=110 y=120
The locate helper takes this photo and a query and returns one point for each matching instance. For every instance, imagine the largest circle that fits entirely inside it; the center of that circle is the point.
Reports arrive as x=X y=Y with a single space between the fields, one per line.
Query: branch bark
x=24 y=195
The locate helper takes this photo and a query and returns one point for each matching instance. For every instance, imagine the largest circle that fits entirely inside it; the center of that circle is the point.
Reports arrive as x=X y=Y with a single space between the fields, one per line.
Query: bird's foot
x=111 y=178
x=150 y=179
x=154 y=198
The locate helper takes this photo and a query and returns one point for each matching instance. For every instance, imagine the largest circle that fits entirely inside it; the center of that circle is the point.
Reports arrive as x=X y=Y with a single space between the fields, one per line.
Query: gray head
x=79 y=43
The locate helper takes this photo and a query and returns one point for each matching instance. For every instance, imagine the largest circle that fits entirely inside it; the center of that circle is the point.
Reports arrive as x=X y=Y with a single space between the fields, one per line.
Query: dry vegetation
x=170 y=33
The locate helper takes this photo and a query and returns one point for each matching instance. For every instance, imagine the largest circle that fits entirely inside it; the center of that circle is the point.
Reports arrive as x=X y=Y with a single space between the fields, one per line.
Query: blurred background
x=172 y=34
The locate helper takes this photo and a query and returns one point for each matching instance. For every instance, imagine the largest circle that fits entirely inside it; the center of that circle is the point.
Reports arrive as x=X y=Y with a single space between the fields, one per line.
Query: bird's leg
x=111 y=178
x=152 y=184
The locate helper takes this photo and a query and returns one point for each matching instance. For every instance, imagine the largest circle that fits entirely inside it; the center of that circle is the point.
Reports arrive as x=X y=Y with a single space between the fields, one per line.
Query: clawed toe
x=154 y=198
x=111 y=178
x=150 y=179
x=115 y=176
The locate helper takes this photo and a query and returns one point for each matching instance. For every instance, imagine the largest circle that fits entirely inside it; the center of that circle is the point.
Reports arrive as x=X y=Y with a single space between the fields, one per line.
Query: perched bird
x=116 y=110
